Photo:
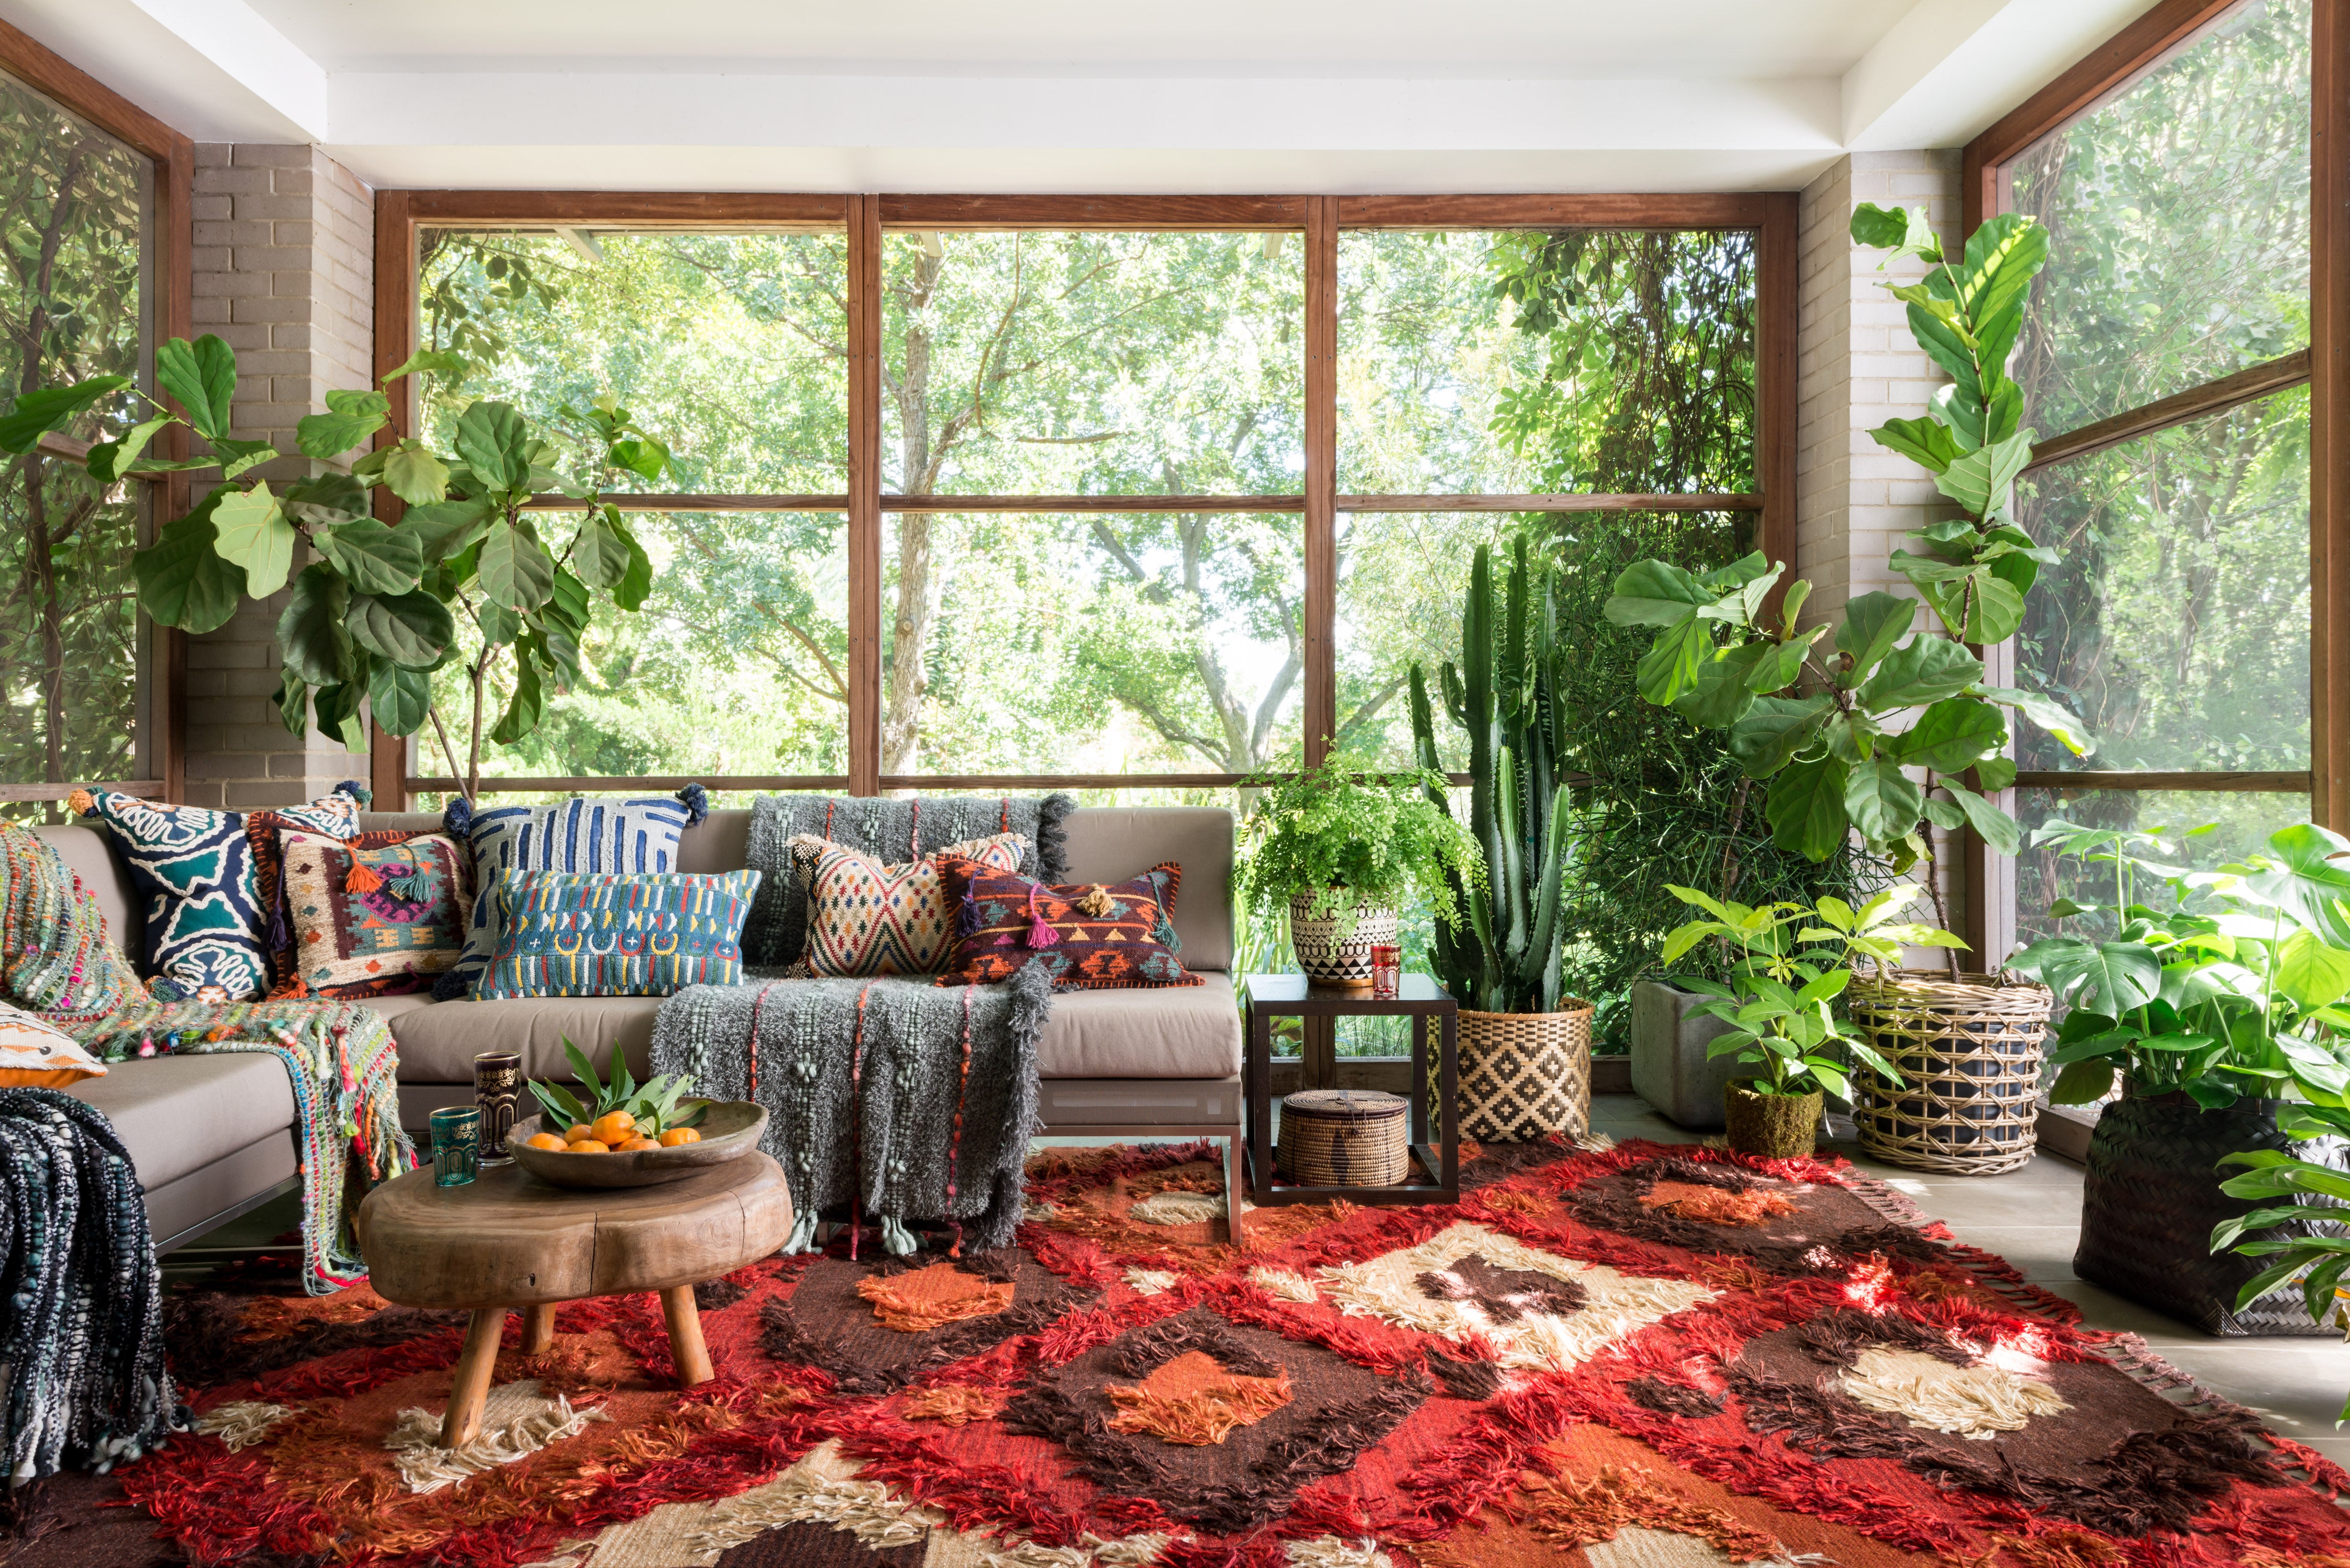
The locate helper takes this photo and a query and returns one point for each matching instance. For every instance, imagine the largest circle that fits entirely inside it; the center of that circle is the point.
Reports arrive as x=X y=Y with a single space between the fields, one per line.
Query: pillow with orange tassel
x=382 y=914
x=1091 y=936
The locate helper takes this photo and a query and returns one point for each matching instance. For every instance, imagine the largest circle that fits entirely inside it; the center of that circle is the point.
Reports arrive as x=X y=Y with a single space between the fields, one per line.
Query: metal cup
x=456 y=1145
x=497 y=1092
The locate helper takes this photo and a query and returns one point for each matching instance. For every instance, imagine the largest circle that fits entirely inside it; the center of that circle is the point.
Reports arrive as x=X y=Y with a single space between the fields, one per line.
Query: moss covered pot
x=1775 y=1127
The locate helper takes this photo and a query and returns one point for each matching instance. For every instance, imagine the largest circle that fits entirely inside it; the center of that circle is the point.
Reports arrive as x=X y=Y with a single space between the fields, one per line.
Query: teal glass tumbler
x=456 y=1145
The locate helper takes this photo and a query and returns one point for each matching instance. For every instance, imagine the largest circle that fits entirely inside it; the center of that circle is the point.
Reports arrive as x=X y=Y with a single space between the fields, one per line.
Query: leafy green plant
x=2325 y=1259
x=652 y=1104
x=370 y=620
x=1792 y=962
x=1335 y=837
x=2236 y=991
x=1501 y=693
x=1874 y=737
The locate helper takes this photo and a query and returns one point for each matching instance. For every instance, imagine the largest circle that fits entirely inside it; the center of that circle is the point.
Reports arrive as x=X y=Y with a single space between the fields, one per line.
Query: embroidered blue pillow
x=613 y=836
x=570 y=934
x=207 y=933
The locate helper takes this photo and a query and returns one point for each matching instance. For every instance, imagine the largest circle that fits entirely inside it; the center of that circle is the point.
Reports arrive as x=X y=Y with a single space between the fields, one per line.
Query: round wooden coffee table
x=509 y=1240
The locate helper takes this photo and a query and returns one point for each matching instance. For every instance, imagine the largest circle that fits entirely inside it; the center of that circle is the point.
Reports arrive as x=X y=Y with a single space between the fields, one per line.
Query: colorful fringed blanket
x=59 y=962
x=81 y=1330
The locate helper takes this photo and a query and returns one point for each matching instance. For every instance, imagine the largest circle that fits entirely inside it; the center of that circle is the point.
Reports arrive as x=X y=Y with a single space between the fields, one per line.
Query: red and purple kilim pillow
x=1093 y=936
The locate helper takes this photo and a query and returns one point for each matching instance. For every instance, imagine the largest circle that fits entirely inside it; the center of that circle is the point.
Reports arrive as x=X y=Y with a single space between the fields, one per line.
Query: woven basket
x=1345 y=1137
x=2152 y=1196
x=1525 y=1075
x=1970 y=1052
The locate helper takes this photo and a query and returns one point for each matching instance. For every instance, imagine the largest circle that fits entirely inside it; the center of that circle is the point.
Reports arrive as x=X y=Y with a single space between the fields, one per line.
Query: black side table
x=1419 y=998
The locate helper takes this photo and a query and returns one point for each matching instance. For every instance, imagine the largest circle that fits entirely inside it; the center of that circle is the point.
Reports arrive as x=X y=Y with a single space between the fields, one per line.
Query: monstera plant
x=1889 y=725
x=377 y=610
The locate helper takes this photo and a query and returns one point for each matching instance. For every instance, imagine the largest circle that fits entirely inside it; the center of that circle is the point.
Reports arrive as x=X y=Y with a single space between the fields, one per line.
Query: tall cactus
x=1505 y=694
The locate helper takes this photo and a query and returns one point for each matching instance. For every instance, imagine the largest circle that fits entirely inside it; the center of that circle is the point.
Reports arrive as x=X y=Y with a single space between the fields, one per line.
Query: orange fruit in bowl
x=546 y=1141
x=589 y=1146
x=613 y=1128
x=577 y=1131
x=676 y=1136
x=636 y=1143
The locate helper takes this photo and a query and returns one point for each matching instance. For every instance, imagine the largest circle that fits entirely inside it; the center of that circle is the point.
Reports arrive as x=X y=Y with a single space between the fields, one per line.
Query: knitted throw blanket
x=894 y=830
x=56 y=960
x=81 y=1324
x=899 y=1100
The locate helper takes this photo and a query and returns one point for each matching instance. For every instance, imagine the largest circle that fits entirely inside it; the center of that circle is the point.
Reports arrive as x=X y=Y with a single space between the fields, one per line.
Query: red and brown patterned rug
x=1629 y=1357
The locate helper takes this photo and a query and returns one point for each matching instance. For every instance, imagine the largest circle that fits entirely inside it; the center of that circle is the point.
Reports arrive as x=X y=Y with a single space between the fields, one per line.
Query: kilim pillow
x=1094 y=936
x=207 y=928
x=379 y=915
x=619 y=838
x=37 y=1053
x=868 y=918
x=565 y=934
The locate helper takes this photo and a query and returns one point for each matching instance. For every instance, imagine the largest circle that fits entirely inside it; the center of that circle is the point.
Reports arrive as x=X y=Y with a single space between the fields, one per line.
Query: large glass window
x=74 y=212
x=2178 y=623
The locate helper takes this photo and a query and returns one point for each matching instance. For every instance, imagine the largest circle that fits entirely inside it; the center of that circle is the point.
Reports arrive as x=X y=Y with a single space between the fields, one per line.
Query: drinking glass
x=456 y=1145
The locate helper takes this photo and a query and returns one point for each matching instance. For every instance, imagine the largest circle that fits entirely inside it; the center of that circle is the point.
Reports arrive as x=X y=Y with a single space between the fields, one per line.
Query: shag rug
x=1627 y=1356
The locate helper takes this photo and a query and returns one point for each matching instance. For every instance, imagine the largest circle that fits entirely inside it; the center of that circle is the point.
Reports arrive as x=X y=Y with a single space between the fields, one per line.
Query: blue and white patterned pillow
x=207 y=934
x=610 y=836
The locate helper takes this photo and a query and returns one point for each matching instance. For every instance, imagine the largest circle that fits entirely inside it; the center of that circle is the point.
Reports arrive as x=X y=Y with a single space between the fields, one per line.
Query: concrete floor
x=2031 y=1218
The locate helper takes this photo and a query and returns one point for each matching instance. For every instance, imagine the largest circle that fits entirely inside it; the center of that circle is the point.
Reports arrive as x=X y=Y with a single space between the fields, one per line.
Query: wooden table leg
x=538 y=1329
x=463 y=1420
x=685 y=1346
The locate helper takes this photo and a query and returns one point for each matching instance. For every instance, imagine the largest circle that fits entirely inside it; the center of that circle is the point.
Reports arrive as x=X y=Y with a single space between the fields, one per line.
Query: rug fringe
x=517 y=1422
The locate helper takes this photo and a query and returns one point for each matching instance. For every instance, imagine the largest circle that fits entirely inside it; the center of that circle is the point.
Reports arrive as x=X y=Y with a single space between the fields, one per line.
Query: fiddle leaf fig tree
x=1883 y=725
x=378 y=607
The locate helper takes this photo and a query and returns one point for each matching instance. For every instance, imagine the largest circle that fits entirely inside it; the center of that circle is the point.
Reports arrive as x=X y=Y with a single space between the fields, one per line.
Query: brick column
x=285 y=273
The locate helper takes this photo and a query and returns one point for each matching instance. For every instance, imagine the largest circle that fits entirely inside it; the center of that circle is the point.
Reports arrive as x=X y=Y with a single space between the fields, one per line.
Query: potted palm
x=1343 y=852
x=1525 y=1048
x=2216 y=1019
x=1779 y=1005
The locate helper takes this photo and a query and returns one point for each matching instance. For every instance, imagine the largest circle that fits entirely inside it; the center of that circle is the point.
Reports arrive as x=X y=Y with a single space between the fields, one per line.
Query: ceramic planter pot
x=1670 y=1069
x=1336 y=949
x=1773 y=1126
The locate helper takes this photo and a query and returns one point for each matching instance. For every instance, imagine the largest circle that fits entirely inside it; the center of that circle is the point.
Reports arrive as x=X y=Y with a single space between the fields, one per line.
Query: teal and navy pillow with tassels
x=624 y=836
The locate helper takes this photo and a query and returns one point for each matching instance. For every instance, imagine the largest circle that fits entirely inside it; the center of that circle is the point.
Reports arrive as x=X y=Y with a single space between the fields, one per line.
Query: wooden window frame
x=174 y=157
x=1319 y=219
x=1992 y=924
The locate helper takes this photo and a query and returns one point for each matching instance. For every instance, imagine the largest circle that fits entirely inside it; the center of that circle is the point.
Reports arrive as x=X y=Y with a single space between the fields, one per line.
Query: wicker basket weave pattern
x=1525 y=1075
x=1970 y=1052
x=1345 y=1137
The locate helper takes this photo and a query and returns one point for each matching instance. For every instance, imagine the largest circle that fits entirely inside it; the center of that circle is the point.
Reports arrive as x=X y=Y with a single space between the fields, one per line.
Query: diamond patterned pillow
x=1094 y=936
x=869 y=919
x=207 y=933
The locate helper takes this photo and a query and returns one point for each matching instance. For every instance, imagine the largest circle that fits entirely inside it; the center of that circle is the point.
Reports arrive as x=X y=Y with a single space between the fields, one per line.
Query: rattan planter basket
x=1970 y=1052
x=1525 y=1075
x=1345 y=1137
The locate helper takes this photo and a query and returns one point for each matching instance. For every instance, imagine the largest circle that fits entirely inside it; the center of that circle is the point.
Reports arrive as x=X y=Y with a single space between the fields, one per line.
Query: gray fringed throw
x=81 y=1326
x=901 y=1100
x=895 y=830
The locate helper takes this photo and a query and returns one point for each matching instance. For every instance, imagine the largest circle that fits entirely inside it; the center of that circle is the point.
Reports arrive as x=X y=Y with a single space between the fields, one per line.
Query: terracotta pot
x=1335 y=950
x=1773 y=1126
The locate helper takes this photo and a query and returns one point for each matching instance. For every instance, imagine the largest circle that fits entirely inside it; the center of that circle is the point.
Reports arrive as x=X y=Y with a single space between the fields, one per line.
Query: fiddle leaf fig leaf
x=1995 y=826
x=1927 y=442
x=1882 y=801
x=1923 y=669
x=182 y=581
x=250 y=529
x=236 y=456
x=636 y=585
x=1872 y=624
x=109 y=461
x=1721 y=696
x=2048 y=715
x=1981 y=481
x=336 y=712
x=376 y=559
x=445 y=528
x=415 y=474
x=1656 y=593
x=599 y=554
x=1806 y=808
x=1775 y=730
x=350 y=419
x=516 y=570
x=522 y=715
x=400 y=697
x=1671 y=665
x=409 y=629
x=44 y=409
x=434 y=361
x=311 y=632
x=203 y=375
x=1950 y=735
x=495 y=441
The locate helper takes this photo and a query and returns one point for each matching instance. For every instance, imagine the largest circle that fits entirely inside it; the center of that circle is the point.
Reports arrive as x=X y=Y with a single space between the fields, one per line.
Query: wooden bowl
x=732 y=1128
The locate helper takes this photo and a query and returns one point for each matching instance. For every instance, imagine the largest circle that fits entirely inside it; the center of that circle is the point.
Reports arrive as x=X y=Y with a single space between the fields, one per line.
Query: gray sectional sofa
x=213 y=1136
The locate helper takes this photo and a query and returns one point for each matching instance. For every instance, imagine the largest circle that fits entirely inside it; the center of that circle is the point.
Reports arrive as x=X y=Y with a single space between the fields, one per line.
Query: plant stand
x=1272 y=996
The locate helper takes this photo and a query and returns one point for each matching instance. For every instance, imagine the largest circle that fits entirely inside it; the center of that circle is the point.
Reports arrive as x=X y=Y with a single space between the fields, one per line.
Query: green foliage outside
x=70 y=206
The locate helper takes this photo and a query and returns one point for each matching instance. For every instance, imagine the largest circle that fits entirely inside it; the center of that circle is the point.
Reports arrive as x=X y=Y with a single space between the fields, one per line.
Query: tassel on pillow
x=1040 y=932
x=696 y=800
x=361 y=879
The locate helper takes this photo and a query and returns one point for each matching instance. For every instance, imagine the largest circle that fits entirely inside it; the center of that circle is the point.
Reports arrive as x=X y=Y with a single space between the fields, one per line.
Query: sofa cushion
x=179 y=1114
x=1109 y=844
x=1181 y=1033
x=438 y=1042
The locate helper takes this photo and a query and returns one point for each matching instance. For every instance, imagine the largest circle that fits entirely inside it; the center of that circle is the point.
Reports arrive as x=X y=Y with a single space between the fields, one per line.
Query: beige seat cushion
x=1162 y=1032
x=438 y=1042
x=179 y=1114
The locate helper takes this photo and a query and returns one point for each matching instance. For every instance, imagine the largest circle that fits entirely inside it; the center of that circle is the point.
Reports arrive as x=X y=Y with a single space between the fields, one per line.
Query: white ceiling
x=1041 y=95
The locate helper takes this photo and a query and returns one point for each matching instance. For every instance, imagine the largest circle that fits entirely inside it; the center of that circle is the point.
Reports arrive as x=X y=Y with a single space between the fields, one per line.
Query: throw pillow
x=1094 y=936
x=566 y=934
x=206 y=937
x=617 y=838
x=37 y=1053
x=868 y=918
x=377 y=915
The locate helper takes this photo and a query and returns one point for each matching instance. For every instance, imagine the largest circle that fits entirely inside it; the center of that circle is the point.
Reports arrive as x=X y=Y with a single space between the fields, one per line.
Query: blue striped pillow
x=589 y=934
x=627 y=836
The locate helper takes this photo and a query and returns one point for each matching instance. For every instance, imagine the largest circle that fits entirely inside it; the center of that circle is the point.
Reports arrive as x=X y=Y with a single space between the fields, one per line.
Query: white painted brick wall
x=284 y=273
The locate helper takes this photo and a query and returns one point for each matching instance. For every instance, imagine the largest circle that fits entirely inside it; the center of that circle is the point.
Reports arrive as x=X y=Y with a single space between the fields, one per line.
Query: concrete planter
x=1669 y=1069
